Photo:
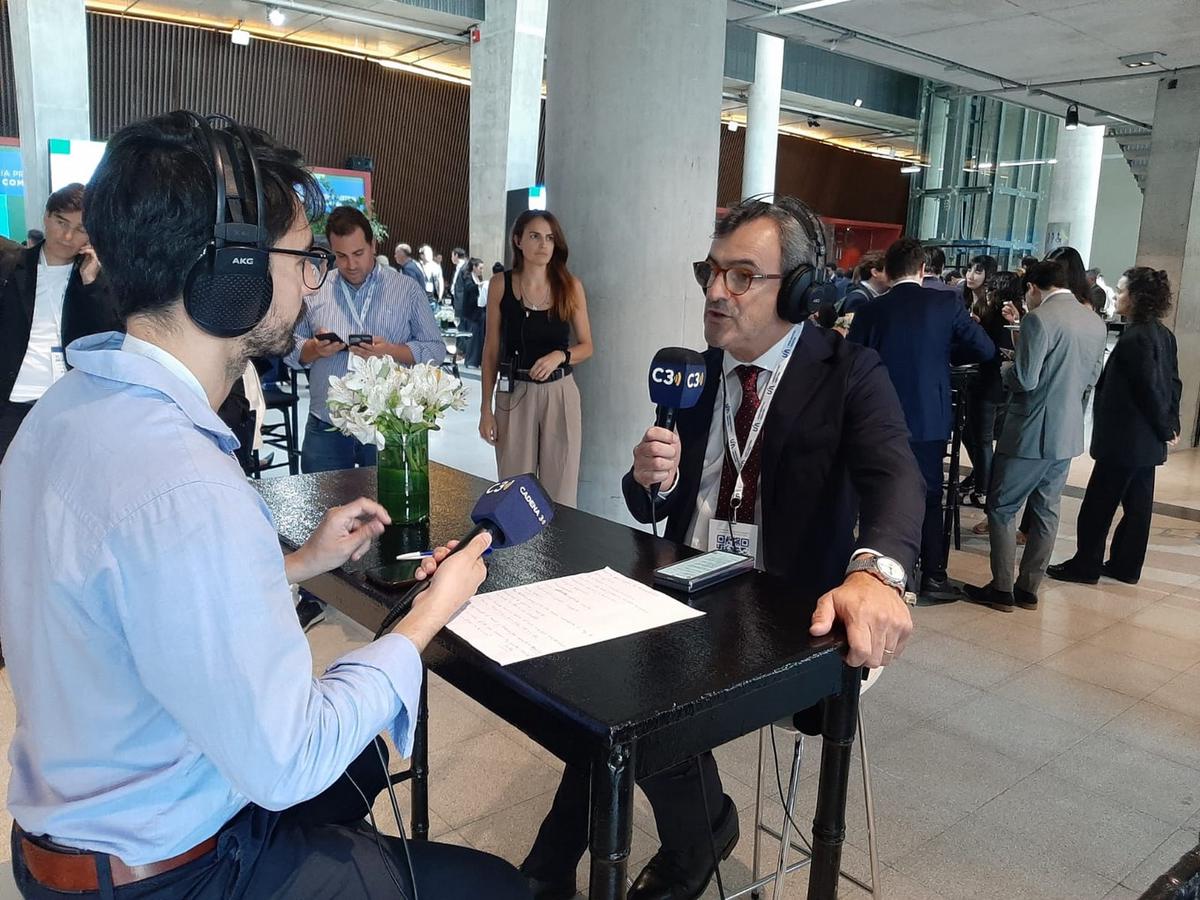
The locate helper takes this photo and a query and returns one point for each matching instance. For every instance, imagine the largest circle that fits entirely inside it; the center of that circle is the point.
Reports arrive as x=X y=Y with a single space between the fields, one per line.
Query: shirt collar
x=769 y=360
x=128 y=360
x=366 y=282
x=909 y=279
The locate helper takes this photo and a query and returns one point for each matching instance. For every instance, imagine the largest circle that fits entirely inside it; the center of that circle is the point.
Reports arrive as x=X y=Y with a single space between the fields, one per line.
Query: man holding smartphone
x=365 y=309
x=50 y=294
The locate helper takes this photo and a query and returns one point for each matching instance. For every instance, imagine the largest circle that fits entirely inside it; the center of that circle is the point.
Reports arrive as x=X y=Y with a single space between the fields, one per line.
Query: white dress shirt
x=37 y=368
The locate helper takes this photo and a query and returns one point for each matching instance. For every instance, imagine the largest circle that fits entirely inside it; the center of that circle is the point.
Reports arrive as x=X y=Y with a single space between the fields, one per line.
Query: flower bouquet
x=395 y=407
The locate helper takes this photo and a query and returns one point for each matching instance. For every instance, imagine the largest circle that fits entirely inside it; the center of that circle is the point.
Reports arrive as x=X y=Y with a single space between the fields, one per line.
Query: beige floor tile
x=1110 y=669
x=965 y=661
x=1078 y=702
x=482 y=776
x=1178 y=654
x=1182 y=694
x=1122 y=893
x=1014 y=638
x=1116 y=601
x=1067 y=618
x=1169 y=619
x=1163 y=732
x=1163 y=858
x=949 y=618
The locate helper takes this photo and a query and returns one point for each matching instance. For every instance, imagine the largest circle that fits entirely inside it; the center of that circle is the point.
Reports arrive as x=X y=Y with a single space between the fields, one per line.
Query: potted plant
x=380 y=402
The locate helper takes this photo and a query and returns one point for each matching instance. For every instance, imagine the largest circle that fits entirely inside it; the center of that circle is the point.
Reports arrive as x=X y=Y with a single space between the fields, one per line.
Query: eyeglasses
x=738 y=279
x=318 y=262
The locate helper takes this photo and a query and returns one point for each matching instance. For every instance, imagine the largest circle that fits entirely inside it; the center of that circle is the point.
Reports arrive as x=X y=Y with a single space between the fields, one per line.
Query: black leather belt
x=560 y=372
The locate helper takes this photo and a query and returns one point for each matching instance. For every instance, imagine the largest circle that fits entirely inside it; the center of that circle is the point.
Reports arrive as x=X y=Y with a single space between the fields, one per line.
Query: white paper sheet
x=564 y=613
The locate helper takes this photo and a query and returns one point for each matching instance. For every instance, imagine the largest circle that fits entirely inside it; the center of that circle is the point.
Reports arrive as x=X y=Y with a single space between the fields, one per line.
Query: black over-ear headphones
x=228 y=290
x=804 y=287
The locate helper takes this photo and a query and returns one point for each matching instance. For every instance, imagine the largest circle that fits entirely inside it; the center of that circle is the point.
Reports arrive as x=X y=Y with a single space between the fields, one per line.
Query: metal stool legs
x=787 y=842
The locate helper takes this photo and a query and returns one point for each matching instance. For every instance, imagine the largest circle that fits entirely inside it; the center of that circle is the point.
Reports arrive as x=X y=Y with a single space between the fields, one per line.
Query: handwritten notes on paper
x=563 y=613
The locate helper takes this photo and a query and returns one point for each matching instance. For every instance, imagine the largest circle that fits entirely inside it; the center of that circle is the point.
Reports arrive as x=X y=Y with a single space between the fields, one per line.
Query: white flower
x=377 y=393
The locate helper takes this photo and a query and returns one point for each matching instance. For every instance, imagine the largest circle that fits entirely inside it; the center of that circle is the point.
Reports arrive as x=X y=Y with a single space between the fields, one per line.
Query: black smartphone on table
x=395 y=576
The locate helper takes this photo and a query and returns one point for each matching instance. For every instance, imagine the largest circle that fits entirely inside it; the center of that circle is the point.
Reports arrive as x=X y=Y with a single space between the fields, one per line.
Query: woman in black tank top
x=532 y=312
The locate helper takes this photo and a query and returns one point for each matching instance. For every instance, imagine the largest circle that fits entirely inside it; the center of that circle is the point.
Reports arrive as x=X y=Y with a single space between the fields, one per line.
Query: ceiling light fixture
x=1072 y=117
x=733 y=126
x=240 y=36
x=803 y=7
x=910 y=170
x=276 y=16
x=858 y=101
x=1140 y=60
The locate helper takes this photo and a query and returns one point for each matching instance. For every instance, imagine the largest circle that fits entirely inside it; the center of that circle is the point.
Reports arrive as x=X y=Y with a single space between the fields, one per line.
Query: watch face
x=891 y=569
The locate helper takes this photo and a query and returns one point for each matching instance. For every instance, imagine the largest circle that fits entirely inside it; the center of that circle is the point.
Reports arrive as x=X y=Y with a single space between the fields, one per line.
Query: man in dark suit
x=830 y=431
x=916 y=330
x=50 y=294
x=935 y=264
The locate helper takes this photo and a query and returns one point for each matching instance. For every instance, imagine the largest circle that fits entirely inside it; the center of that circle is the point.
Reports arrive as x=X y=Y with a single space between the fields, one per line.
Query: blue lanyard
x=367 y=293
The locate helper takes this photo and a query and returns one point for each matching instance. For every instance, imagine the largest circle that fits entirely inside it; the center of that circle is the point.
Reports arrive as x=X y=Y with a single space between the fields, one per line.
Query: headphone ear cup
x=229 y=290
x=792 y=304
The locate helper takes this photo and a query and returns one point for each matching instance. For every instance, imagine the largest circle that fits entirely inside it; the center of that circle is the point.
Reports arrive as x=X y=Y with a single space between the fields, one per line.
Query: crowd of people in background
x=1036 y=341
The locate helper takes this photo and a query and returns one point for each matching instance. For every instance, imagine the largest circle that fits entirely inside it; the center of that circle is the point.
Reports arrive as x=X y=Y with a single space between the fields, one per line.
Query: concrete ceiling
x=369 y=27
x=1020 y=42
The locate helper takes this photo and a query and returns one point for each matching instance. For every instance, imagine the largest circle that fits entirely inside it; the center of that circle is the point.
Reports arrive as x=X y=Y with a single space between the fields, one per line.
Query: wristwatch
x=884 y=568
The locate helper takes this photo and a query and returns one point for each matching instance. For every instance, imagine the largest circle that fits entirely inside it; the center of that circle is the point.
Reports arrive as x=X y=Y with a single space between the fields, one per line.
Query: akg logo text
x=662 y=375
x=243 y=260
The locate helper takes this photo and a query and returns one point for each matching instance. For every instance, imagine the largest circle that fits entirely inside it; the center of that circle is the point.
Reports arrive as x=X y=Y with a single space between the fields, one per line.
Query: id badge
x=744 y=540
x=504 y=383
x=58 y=363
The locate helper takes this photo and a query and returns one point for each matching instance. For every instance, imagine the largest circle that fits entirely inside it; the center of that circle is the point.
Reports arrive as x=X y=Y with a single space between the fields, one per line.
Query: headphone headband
x=803 y=288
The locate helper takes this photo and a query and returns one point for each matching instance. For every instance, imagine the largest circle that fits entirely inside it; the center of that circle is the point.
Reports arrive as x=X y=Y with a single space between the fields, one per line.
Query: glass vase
x=403 y=477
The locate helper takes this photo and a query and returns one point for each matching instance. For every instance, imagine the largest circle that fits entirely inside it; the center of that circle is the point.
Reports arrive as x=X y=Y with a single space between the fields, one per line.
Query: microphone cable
x=391 y=788
x=383 y=856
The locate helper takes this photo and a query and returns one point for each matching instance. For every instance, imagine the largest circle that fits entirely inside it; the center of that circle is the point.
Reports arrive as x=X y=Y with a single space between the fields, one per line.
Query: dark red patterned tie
x=742 y=422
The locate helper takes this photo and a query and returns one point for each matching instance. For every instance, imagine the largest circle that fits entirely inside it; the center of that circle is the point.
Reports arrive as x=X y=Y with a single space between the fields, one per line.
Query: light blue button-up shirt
x=162 y=681
x=386 y=304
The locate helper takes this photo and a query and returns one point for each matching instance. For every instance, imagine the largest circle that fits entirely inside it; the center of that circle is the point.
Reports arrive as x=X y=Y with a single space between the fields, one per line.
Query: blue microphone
x=512 y=511
x=676 y=382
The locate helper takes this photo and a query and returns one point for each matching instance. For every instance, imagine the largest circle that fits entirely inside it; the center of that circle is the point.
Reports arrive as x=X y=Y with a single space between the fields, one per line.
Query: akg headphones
x=228 y=289
x=805 y=287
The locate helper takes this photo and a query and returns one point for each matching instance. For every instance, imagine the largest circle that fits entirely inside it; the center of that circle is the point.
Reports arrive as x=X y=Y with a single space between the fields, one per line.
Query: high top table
x=626 y=708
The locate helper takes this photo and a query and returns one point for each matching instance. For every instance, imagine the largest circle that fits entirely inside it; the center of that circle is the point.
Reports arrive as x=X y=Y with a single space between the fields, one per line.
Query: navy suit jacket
x=919 y=332
x=833 y=444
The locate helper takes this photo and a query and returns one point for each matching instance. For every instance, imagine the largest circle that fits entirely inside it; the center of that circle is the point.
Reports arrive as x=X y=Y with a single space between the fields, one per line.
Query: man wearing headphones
x=797 y=436
x=171 y=739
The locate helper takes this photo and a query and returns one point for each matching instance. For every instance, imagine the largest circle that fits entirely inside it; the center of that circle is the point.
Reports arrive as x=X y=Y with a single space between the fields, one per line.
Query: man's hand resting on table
x=454 y=581
x=875 y=616
x=345 y=533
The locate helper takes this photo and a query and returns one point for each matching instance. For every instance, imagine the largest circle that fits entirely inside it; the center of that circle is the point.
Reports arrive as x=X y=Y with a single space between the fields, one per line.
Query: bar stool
x=786 y=842
x=285 y=434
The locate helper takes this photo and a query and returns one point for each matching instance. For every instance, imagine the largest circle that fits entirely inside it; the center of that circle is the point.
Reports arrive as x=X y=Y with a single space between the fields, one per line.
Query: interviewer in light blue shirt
x=163 y=686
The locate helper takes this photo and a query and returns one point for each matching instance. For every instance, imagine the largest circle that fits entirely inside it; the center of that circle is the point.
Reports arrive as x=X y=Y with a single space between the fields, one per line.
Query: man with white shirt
x=815 y=423
x=50 y=294
x=362 y=299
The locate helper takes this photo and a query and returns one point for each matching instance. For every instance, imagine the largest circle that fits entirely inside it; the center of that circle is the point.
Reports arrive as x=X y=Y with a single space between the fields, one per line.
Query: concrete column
x=506 y=111
x=762 y=117
x=50 y=59
x=1074 y=187
x=635 y=185
x=1170 y=234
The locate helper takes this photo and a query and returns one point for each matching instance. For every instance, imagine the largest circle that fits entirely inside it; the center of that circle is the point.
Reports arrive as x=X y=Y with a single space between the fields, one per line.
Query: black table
x=626 y=708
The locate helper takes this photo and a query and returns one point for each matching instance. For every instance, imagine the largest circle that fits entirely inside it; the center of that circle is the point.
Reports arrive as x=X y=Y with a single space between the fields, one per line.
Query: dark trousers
x=684 y=826
x=319 y=849
x=11 y=417
x=326 y=449
x=478 y=325
x=929 y=456
x=1112 y=485
x=979 y=437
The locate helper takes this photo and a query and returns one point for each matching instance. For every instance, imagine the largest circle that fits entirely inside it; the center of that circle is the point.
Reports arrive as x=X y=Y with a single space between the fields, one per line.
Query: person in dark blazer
x=917 y=331
x=38 y=321
x=1135 y=418
x=832 y=440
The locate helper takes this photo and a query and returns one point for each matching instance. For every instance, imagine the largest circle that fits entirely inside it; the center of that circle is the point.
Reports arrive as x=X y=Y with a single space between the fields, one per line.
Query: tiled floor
x=1048 y=754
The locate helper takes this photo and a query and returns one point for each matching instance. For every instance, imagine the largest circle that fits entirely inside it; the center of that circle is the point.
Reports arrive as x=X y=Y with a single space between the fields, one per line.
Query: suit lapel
x=26 y=278
x=805 y=376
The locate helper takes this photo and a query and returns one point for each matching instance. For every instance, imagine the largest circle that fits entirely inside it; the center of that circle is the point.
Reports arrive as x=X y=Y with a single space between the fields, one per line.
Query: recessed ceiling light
x=733 y=126
x=858 y=101
x=276 y=16
x=910 y=170
x=1140 y=60
x=240 y=36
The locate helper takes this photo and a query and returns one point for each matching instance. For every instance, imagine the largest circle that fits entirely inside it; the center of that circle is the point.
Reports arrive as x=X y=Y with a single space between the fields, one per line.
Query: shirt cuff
x=397 y=659
x=866 y=551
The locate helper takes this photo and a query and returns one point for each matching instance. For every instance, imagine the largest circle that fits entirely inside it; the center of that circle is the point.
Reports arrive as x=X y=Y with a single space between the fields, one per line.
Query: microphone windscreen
x=677 y=378
x=517 y=509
